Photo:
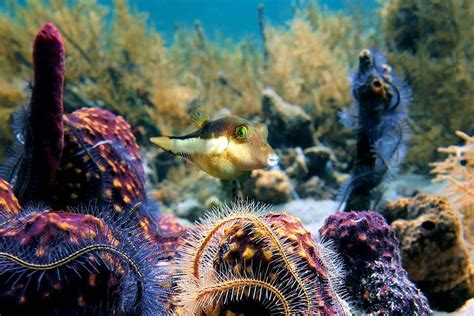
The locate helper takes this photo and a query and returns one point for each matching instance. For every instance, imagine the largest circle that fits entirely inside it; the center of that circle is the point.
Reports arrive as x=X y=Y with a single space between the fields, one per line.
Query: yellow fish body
x=224 y=148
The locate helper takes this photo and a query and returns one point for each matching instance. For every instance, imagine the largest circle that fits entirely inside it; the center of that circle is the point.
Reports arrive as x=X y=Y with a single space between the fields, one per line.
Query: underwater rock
x=188 y=207
x=317 y=158
x=375 y=278
x=294 y=162
x=316 y=188
x=434 y=252
x=377 y=115
x=244 y=260
x=268 y=186
x=288 y=125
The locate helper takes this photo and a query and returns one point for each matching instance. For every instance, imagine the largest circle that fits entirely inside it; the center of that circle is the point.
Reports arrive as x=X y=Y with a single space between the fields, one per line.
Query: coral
x=80 y=261
x=288 y=124
x=268 y=186
x=101 y=161
x=241 y=259
x=68 y=258
x=89 y=155
x=378 y=115
x=375 y=277
x=433 y=250
x=430 y=41
x=56 y=262
x=9 y=204
x=458 y=169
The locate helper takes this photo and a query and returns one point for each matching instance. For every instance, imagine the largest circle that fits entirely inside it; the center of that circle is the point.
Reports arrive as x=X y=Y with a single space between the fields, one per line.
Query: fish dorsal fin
x=197 y=114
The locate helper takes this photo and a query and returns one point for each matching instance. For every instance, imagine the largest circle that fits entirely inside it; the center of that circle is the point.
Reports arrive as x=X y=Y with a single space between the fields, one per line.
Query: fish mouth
x=272 y=160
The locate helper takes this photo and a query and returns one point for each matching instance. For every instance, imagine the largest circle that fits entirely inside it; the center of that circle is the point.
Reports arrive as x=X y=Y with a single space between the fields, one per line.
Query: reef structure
x=60 y=262
x=74 y=159
x=433 y=249
x=375 y=278
x=242 y=259
x=77 y=231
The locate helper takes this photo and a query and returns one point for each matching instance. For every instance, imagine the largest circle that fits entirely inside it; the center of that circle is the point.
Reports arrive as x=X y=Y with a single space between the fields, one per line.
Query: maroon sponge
x=375 y=278
x=46 y=110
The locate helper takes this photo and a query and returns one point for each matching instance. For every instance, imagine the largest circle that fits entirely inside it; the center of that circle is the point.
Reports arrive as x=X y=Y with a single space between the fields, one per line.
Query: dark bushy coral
x=378 y=112
x=434 y=252
x=375 y=278
x=431 y=41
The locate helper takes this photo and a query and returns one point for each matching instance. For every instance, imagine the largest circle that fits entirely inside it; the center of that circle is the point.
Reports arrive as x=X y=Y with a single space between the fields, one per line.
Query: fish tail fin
x=163 y=142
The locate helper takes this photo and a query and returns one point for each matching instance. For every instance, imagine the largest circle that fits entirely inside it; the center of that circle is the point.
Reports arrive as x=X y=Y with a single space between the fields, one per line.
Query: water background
x=228 y=19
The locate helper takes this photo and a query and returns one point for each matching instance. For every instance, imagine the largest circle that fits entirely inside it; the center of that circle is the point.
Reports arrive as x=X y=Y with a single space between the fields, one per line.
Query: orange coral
x=458 y=169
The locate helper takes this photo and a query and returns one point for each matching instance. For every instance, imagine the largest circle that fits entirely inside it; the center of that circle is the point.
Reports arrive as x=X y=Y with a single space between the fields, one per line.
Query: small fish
x=225 y=148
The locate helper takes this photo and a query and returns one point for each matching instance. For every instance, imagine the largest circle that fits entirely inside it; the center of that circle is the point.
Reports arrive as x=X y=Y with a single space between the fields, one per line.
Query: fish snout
x=272 y=160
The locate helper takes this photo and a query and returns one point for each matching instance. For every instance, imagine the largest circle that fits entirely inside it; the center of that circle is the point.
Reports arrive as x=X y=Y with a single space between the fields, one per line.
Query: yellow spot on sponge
x=249 y=252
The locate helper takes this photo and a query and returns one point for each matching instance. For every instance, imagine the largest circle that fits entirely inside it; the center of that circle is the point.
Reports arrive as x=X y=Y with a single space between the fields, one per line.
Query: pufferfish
x=225 y=148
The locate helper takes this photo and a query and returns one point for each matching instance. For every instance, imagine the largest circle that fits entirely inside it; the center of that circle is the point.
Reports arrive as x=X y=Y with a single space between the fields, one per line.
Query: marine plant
x=110 y=65
x=10 y=96
x=242 y=259
x=378 y=115
x=431 y=44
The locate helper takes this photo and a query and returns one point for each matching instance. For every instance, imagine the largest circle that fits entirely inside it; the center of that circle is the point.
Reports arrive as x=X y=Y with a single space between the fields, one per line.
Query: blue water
x=234 y=19
x=227 y=19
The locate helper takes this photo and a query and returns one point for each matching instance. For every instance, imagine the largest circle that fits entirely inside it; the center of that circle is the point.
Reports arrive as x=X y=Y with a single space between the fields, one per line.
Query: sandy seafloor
x=313 y=212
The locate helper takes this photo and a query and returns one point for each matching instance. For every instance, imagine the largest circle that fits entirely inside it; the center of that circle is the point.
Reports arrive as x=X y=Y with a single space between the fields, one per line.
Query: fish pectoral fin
x=163 y=142
x=198 y=116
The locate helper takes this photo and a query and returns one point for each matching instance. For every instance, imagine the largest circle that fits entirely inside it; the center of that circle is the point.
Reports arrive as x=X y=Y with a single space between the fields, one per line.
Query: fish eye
x=242 y=132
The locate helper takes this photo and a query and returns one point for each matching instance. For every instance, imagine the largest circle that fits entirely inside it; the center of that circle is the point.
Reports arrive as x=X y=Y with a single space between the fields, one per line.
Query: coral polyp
x=241 y=257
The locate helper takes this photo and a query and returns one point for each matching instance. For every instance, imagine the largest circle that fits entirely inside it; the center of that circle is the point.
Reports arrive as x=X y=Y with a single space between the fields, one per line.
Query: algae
x=432 y=42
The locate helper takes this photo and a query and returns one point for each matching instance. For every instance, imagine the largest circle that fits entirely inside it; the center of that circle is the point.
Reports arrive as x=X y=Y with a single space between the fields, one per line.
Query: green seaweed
x=432 y=42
